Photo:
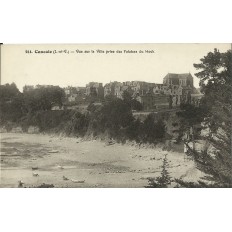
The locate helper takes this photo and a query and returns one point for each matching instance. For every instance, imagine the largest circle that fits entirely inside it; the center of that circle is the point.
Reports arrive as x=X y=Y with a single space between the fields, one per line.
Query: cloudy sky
x=77 y=69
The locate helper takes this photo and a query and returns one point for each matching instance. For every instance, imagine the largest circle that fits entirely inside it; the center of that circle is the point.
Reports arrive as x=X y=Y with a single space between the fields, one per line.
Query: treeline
x=112 y=119
x=115 y=119
x=11 y=103
x=14 y=105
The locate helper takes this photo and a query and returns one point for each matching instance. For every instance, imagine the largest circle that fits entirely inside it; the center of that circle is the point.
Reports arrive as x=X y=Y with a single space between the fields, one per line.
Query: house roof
x=176 y=75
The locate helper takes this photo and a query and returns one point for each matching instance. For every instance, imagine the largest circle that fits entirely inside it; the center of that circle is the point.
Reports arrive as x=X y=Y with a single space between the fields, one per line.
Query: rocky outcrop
x=33 y=130
x=3 y=130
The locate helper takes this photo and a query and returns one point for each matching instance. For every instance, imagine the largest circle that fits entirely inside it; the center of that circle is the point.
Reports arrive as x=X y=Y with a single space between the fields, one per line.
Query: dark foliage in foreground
x=200 y=184
x=164 y=180
x=215 y=73
x=15 y=105
x=113 y=119
x=215 y=111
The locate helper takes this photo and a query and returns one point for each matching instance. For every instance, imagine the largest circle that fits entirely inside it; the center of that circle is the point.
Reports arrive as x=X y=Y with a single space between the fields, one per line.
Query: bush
x=152 y=130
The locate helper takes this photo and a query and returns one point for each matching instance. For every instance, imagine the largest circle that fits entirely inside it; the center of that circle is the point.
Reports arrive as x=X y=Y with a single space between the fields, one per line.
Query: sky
x=73 y=68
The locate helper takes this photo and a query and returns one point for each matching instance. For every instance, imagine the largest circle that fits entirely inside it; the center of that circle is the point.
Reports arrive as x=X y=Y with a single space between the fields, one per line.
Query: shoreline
x=91 y=161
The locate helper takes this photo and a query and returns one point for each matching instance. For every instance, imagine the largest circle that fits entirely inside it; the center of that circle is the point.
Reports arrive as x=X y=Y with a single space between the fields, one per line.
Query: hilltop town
x=119 y=122
x=175 y=89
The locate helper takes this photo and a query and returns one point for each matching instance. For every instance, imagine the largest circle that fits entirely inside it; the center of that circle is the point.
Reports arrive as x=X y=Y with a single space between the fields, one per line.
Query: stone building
x=113 y=88
x=150 y=101
x=72 y=97
x=73 y=94
x=147 y=101
x=95 y=89
x=179 y=87
x=184 y=79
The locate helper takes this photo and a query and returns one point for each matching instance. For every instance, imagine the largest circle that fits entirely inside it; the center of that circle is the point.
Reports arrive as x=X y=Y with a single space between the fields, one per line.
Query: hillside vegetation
x=113 y=119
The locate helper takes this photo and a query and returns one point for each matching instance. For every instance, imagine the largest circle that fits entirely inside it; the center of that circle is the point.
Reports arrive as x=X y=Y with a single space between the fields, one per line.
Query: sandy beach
x=35 y=159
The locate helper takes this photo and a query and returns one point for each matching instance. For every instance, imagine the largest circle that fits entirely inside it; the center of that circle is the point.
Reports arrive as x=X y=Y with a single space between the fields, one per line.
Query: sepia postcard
x=116 y=115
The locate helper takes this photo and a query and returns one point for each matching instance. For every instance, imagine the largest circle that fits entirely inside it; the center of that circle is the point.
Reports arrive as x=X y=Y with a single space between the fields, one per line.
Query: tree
x=132 y=103
x=152 y=129
x=136 y=105
x=127 y=96
x=190 y=116
x=43 y=98
x=8 y=92
x=11 y=103
x=215 y=74
x=114 y=115
x=110 y=97
x=164 y=180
